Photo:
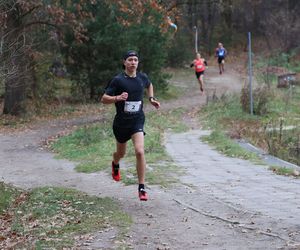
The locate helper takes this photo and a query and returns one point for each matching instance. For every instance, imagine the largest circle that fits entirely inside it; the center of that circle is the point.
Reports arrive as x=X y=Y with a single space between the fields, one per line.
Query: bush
x=261 y=97
x=283 y=140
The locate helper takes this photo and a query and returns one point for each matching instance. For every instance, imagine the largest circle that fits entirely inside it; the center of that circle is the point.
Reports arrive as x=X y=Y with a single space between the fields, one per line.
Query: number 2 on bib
x=132 y=107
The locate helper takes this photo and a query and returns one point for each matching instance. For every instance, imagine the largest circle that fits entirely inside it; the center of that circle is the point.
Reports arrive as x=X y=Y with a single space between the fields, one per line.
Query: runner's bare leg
x=120 y=152
x=138 y=142
x=201 y=84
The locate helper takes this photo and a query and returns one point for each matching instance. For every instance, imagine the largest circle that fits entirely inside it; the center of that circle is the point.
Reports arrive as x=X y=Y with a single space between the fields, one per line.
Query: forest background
x=68 y=50
x=57 y=56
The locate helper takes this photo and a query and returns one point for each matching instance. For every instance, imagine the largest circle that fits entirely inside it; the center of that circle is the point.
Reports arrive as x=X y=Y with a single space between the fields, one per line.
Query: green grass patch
x=227 y=109
x=92 y=146
x=55 y=217
x=163 y=174
x=226 y=117
x=8 y=195
x=285 y=171
x=228 y=147
x=172 y=92
x=227 y=120
x=285 y=103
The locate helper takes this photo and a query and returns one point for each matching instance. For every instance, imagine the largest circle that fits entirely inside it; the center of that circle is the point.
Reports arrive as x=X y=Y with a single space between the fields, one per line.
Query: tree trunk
x=15 y=86
x=15 y=95
x=16 y=78
x=15 y=63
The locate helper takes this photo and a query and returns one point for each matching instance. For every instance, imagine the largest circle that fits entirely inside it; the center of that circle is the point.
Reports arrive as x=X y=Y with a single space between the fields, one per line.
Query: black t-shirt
x=130 y=112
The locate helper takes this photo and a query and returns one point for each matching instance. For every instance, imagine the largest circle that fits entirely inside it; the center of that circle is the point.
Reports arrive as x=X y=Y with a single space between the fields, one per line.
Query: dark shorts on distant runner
x=198 y=74
x=220 y=59
x=123 y=135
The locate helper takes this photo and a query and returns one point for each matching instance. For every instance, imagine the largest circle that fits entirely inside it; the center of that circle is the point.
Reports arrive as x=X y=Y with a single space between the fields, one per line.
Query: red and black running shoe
x=115 y=172
x=143 y=195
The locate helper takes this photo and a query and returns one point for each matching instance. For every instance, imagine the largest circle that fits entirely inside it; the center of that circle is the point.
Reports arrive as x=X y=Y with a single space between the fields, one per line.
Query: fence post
x=196 y=38
x=250 y=72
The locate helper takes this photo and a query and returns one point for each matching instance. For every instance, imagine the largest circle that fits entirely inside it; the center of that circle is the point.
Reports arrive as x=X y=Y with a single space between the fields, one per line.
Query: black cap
x=130 y=53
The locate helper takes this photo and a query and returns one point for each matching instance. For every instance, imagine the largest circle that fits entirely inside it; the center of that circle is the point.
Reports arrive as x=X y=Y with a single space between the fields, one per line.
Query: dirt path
x=198 y=213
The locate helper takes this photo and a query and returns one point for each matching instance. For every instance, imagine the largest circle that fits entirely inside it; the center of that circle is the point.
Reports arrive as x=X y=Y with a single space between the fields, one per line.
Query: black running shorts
x=198 y=74
x=220 y=59
x=122 y=135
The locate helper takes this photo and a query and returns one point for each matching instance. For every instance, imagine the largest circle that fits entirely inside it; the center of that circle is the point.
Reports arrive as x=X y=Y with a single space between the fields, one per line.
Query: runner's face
x=131 y=63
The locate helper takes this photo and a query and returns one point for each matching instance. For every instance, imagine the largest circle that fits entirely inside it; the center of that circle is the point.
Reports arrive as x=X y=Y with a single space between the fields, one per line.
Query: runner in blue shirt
x=221 y=53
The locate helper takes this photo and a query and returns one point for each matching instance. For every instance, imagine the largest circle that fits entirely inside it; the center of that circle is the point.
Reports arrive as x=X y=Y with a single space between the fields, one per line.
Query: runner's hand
x=123 y=96
x=155 y=103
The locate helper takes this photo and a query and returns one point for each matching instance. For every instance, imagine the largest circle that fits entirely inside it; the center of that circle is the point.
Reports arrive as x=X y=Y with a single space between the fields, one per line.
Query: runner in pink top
x=199 y=64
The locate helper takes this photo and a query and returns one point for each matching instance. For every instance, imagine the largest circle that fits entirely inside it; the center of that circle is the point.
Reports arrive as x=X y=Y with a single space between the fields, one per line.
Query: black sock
x=141 y=186
x=116 y=167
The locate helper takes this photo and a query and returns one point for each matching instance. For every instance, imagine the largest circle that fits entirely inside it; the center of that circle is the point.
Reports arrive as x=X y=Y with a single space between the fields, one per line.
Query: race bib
x=199 y=66
x=132 y=107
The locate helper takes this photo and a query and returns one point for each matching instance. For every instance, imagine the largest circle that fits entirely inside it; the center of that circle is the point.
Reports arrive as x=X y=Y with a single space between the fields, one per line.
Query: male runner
x=221 y=53
x=199 y=64
x=126 y=91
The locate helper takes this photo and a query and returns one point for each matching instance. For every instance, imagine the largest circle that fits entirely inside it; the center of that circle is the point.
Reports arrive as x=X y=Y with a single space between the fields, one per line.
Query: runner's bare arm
x=107 y=99
x=150 y=93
